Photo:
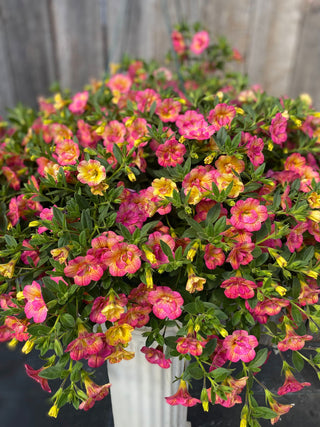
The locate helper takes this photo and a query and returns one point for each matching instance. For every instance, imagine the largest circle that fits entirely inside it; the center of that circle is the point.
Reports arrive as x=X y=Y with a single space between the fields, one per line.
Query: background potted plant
x=151 y=201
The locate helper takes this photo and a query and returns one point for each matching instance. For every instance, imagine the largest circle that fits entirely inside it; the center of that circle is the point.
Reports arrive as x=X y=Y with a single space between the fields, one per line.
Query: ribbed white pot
x=139 y=389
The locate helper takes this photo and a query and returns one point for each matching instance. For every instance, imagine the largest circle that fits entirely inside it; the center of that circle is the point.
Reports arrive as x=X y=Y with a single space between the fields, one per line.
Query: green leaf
x=263 y=412
x=190 y=308
x=52 y=372
x=296 y=314
x=76 y=372
x=83 y=238
x=297 y=361
x=67 y=320
x=213 y=214
x=117 y=153
x=39 y=330
x=220 y=374
x=220 y=225
x=86 y=221
x=260 y=358
x=10 y=241
x=167 y=250
x=58 y=215
x=195 y=371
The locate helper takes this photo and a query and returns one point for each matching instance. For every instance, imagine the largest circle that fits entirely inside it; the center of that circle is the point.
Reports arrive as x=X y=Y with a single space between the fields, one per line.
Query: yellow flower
x=306 y=99
x=119 y=334
x=59 y=102
x=53 y=412
x=314 y=216
x=114 y=67
x=163 y=187
x=20 y=296
x=281 y=290
x=60 y=254
x=28 y=346
x=314 y=200
x=13 y=344
x=100 y=189
x=91 y=172
x=7 y=270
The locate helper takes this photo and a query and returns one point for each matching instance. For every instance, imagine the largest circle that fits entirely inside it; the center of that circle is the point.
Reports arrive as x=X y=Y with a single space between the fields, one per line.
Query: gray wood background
x=71 y=41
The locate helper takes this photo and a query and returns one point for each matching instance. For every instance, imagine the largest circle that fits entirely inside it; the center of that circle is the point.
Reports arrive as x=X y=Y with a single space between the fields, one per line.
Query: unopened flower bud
x=192 y=251
x=20 y=296
x=28 y=346
x=53 y=412
x=149 y=278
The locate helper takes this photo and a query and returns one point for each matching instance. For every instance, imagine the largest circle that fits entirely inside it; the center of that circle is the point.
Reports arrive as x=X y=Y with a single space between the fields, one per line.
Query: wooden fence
x=70 y=41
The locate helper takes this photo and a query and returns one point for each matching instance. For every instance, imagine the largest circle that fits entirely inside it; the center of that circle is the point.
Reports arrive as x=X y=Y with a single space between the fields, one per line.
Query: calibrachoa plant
x=151 y=200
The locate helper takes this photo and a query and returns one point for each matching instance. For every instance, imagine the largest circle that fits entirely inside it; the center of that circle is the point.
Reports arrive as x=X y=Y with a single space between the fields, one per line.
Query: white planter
x=139 y=389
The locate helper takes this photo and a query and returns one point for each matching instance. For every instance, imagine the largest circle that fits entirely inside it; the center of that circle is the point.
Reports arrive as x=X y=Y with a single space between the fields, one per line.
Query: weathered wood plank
x=6 y=82
x=137 y=28
x=78 y=40
x=29 y=49
x=305 y=74
x=273 y=42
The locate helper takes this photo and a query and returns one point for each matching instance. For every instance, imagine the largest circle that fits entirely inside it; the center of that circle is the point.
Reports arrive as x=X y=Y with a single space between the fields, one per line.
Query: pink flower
x=131 y=215
x=309 y=292
x=292 y=340
x=291 y=385
x=248 y=214
x=30 y=253
x=79 y=102
x=170 y=153
x=213 y=256
x=168 y=110
x=114 y=133
x=110 y=308
x=95 y=393
x=67 y=152
x=85 y=344
x=198 y=181
x=122 y=258
x=83 y=269
x=35 y=306
x=153 y=245
x=145 y=98
x=240 y=346
x=295 y=237
x=221 y=115
x=232 y=397
x=166 y=302
x=241 y=254
x=17 y=327
x=86 y=135
x=156 y=357
x=34 y=374
x=200 y=42
x=279 y=409
x=190 y=344
x=182 y=397
x=278 y=129
x=238 y=287
x=120 y=83
x=178 y=42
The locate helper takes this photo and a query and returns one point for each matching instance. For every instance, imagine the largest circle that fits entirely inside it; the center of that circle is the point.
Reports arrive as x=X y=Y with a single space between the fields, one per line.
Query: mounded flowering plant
x=151 y=200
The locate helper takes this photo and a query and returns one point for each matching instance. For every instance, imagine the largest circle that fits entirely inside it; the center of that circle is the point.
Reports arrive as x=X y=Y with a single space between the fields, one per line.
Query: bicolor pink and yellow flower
x=248 y=214
x=240 y=346
x=91 y=172
x=165 y=302
x=35 y=307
